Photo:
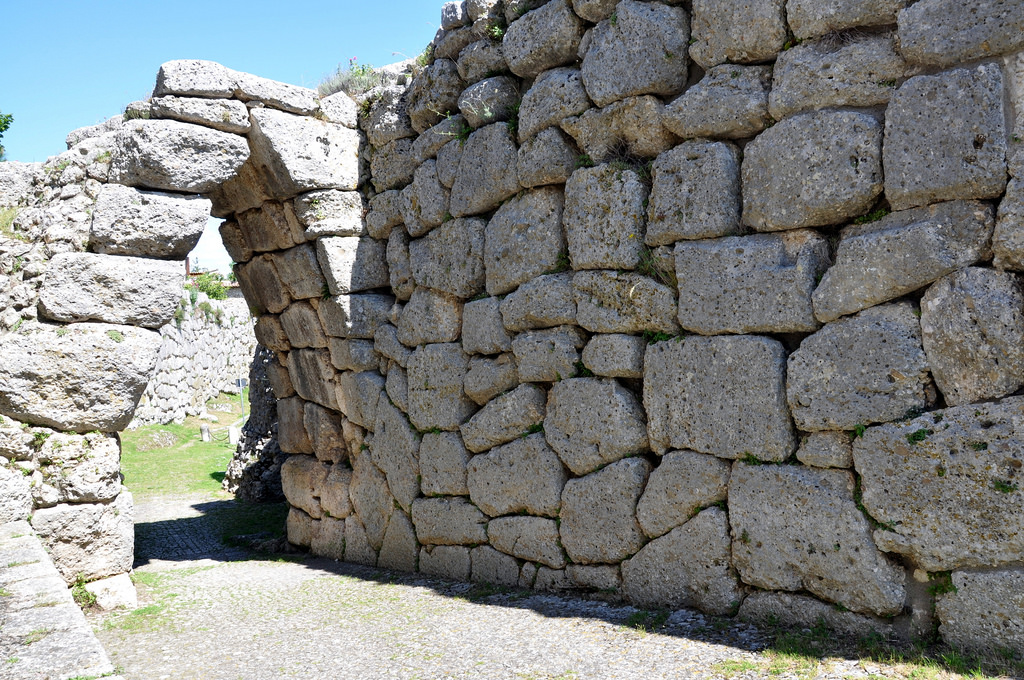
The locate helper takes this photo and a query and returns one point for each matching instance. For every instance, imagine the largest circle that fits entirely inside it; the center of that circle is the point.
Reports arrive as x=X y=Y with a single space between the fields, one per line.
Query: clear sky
x=65 y=64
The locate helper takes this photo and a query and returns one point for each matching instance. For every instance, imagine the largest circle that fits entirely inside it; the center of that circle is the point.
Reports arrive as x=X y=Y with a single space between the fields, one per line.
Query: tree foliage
x=5 y=122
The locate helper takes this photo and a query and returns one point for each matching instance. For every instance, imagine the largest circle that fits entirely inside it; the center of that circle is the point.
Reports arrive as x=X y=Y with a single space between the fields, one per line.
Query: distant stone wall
x=712 y=307
x=207 y=347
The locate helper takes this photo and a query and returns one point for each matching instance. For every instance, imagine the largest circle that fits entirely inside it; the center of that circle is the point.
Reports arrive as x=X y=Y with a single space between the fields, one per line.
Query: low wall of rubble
x=712 y=306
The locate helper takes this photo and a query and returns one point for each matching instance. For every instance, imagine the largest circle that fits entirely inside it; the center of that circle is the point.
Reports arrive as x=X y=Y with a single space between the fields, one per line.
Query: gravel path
x=211 y=612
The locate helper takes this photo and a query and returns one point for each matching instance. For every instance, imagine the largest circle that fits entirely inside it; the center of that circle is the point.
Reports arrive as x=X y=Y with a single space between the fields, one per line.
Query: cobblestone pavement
x=212 y=612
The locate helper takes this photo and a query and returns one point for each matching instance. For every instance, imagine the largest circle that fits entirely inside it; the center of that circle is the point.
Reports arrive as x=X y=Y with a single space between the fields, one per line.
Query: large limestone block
x=299 y=154
x=354 y=316
x=399 y=264
x=194 y=78
x=122 y=290
x=985 y=611
x=354 y=355
x=528 y=538
x=433 y=139
x=548 y=355
x=973 y=333
x=505 y=418
x=864 y=369
x=220 y=114
x=269 y=227
x=946 y=32
x=276 y=95
x=542 y=39
x=592 y=422
x=262 y=285
x=826 y=449
x=352 y=264
x=642 y=51
x=480 y=59
x=523 y=476
x=387 y=344
x=327 y=434
x=392 y=165
x=425 y=202
x=631 y=127
x=772 y=608
x=487 y=377
x=399 y=550
x=689 y=567
x=604 y=217
x=451 y=257
x=693 y=385
x=300 y=528
x=695 y=193
x=810 y=18
x=901 y=253
x=493 y=567
x=443 y=460
x=445 y=561
x=1008 y=238
x=397 y=387
x=548 y=158
x=127 y=221
x=489 y=101
x=395 y=450
x=555 y=95
x=524 y=239
x=77 y=469
x=175 y=156
x=750 y=284
x=729 y=101
x=947 y=484
x=615 y=355
x=330 y=212
x=737 y=31
x=598 y=517
x=433 y=94
x=87 y=540
x=961 y=113
x=487 y=171
x=541 y=303
x=357 y=546
x=388 y=118
x=812 y=169
x=15 y=495
x=328 y=540
x=430 y=316
x=359 y=396
x=291 y=431
x=87 y=377
x=302 y=326
x=312 y=375
x=371 y=499
x=301 y=480
x=482 y=329
x=448 y=521
x=436 y=396
x=339 y=108
x=300 y=273
x=678 y=488
x=815 y=75
x=797 y=528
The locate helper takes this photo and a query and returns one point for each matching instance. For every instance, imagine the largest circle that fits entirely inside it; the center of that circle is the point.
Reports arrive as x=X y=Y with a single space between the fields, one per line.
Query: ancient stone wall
x=710 y=304
x=207 y=346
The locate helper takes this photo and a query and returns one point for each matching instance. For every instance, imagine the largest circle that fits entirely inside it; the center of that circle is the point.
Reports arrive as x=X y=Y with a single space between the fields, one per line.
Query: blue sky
x=65 y=64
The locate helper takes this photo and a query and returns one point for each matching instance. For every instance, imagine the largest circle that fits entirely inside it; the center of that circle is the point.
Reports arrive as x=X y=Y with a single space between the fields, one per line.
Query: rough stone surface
x=340 y=108
x=548 y=355
x=194 y=78
x=592 y=422
x=524 y=239
x=818 y=540
x=643 y=51
x=680 y=486
x=481 y=58
x=388 y=118
x=984 y=612
x=548 y=158
x=542 y=39
x=219 y=114
x=372 y=502
x=902 y=252
x=1008 y=239
x=826 y=449
x=690 y=566
x=505 y=418
x=487 y=171
x=352 y=264
x=312 y=376
x=613 y=302
x=395 y=450
x=436 y=397
x=528 y=538
x=175 y=156
x=523 y=476
x=445 y=561
x=78 y=381
x=430 y=316
x=120 y=290
x=331 y=213
x=615 y=355
x=425 y=202
x=127 y=221
x=555 y=95
x=541 y=303
x=868 y=368
x=434 y=93
x=494 y=567
x=357 y=547
x=945 y=32
x=433 y=139
x=487 y=378
x=812 y=169
x=750 y=284
x=693 y=385
x=353 y=355
x=392 y=165
x=451 y=257
x=919 y=486
x=443 y=460
x=301 y=479
x=300 y=271
x=399 y=549
x=807 y=612
x=631 y=127
x=695 y=193
x=354 y=316
x=448 y=521
x=962 y=112
x=399 y=264
x=729 y=101
x=598 y=522
x=91 y=540
x=489 y=101
x=482 y=329
x=973 y=334
x=604 y=217
x=737 y=31
x=359 y=395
